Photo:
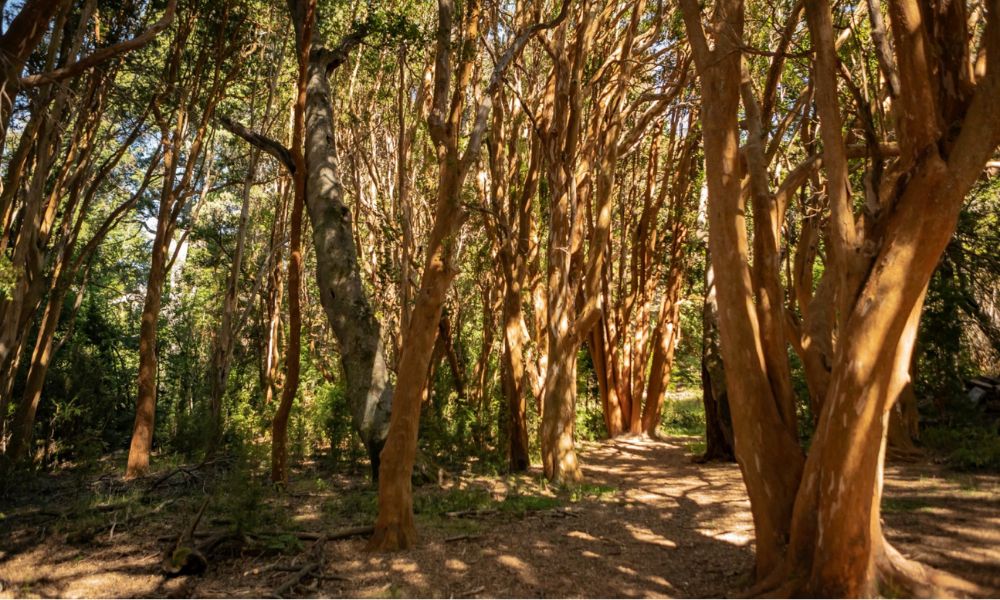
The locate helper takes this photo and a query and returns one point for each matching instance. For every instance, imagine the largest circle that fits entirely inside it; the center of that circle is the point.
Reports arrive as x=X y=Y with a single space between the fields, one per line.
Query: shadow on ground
x=649 y=522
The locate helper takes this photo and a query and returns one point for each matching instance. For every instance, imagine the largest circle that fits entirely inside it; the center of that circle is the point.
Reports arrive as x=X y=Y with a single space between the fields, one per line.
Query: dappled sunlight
x=519 y=567
x=646 y=535
x=453 y=564
x=646 y=522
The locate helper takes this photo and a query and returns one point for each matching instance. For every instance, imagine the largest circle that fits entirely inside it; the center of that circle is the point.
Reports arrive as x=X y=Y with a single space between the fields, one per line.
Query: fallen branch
x=459 y=514
x=293 y=580
x=297 y=577
x=340 y=534
x=185 y=559
x=472 y=592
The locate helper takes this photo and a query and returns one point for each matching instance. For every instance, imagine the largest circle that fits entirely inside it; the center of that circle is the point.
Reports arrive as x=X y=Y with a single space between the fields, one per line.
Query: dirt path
x=649 y=522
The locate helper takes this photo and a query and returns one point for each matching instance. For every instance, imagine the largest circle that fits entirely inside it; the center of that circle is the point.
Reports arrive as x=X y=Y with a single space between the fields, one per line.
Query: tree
x=816 y=520
x=184 y=110
x=338 y=273
x=394 y=527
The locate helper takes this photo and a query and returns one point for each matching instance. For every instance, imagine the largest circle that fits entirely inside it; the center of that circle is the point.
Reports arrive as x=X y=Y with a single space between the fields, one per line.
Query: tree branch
x=272 y=147
x=337 y=56
x=103 y=54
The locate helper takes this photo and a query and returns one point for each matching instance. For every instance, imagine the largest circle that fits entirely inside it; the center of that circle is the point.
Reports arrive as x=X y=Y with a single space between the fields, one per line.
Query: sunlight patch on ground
x=648 y=536
x=454 y=564
x=737 y=538
x=522 y=568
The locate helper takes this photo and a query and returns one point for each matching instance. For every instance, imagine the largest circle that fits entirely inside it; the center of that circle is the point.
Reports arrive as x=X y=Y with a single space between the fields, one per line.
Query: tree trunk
x=769 y=456
x=607 y=384
x=666 y=335
x=559 y=460
x=305 y=17
x=145 y=408
x=514 y=378
x=718 y=421
x=24 y=418
x=394 y=528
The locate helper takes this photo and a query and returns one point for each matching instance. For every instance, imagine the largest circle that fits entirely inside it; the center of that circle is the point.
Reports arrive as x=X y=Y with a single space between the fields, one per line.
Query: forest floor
x=648 y=522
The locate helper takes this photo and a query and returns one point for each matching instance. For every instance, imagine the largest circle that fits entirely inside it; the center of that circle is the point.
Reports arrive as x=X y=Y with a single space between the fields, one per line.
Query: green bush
x=683 y=415
x=969 y=447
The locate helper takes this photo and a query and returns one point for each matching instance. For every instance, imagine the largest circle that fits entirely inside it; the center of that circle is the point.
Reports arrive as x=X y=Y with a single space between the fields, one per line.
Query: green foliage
x=458 y=500
x=8 y=276
x=356 y=506
x=452 y=500
x=683 y=414
x=967 y=447
x=591 y=491
x=334 y=413
x=898 y=505
x=955 y=339
x=589 y=413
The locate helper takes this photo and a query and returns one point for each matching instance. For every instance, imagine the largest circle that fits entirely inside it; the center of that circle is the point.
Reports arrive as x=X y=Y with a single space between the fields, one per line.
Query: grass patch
x=359 y=506
x=518 y=503
x=589 y=491
x=901 y=505
x=697 y=448
x=683 y=413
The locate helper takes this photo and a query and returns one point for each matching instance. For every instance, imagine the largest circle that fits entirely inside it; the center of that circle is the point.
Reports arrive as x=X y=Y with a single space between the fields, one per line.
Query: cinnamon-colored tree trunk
x=304 y=18
x=769 y=456
x=194 y=112
x=394 y=528
x=828 y=541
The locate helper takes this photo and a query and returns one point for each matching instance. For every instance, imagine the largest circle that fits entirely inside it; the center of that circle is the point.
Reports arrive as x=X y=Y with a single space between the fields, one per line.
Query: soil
x=649 y=522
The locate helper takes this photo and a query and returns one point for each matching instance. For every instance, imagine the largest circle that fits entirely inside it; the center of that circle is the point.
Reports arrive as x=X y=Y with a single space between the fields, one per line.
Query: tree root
x=899 y=575
x=896 y=576
x=393 y=537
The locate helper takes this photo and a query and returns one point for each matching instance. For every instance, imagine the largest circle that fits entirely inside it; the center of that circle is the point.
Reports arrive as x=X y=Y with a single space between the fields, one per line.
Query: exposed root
x=900 y=576
x=392 y=537
x=777 y=584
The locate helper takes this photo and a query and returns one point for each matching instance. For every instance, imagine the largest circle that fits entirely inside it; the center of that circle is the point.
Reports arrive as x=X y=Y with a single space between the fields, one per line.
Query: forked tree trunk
x=770 y=458
x=835 y=543
x=338 y=275
x=559 y=460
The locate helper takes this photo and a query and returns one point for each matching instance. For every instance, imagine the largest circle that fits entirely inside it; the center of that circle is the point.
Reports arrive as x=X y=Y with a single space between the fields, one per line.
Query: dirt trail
x=655 y=524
